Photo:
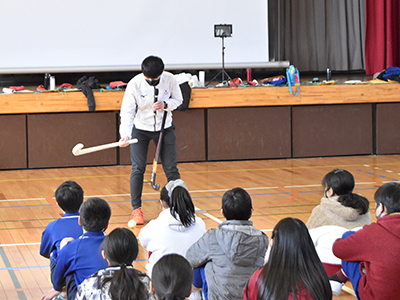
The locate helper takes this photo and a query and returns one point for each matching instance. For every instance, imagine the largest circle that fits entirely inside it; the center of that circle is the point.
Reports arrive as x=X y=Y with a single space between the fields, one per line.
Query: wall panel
x=13 y=152
x=51 y=138
x=249 y=133
x=332 y=130
x=388 y=128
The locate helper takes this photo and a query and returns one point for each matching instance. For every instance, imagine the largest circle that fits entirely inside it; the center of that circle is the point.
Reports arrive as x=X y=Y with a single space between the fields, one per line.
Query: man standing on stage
x=146 y=97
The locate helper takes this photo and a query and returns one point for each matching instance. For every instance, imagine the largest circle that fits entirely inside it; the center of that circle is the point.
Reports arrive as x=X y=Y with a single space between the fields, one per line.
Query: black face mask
x=153 y=82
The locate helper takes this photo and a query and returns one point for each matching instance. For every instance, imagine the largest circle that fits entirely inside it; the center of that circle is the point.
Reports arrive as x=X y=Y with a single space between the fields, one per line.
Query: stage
x=39 y=130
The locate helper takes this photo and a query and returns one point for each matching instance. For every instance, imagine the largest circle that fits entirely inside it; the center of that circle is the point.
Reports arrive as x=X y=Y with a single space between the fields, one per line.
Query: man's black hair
x=152 y=67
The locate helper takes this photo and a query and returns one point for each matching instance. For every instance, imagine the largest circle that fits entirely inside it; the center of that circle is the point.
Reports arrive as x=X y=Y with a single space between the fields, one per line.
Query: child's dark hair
x=172 y=277
x=69 y=196
x=95 y=214
x=293 y=265
x=236 y=204
x=180 y=203
x=342 y=184
x=121 y=249
x=152 y=66
x=389 y=195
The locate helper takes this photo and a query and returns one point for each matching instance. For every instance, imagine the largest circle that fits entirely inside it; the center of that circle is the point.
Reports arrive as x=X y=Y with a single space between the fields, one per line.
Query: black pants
x=139 y=150
x=71 y=286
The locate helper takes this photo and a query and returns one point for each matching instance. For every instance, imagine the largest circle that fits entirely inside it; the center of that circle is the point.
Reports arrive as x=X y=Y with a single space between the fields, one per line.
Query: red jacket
x=377 y=248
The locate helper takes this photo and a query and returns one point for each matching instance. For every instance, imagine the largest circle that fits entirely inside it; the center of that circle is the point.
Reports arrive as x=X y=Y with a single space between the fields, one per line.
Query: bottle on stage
x=328 y=75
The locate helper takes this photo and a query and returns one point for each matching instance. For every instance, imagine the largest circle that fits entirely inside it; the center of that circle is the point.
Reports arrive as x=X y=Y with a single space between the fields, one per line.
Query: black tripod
x=223 y=72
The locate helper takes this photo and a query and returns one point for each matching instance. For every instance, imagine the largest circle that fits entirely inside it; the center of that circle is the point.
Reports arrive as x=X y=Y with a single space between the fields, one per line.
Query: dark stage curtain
x=382 y=39
x=318 y=34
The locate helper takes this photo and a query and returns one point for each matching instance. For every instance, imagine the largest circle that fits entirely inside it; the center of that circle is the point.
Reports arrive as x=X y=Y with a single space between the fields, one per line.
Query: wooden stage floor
x=279 y=188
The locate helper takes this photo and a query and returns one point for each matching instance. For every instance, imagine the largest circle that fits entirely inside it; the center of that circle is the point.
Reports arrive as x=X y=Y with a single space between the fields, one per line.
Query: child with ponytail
x=340 y=210
x=176 y=228
x=340 y=206
x=120 y=281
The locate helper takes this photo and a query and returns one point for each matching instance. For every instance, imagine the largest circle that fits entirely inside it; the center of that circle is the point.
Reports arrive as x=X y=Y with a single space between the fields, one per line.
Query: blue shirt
x=67 y=226
x=81 y=257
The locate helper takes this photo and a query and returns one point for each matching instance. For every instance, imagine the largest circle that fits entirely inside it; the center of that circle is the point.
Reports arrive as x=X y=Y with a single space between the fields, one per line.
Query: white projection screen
x=115 y=35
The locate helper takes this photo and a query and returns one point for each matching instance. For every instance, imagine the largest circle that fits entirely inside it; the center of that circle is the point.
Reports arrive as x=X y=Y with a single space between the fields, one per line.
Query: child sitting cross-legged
x=225 y=257
x=370 y=256
x=340 y=210
x=176 y=228
x=293 y=270
x=69 y=197
x=82 y=257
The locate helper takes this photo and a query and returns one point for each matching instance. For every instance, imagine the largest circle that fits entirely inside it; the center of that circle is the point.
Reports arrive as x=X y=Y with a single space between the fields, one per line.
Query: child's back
x=293 y=270
x=370 y=255
x=82 y=257
x=66 y=226
x=340 y=206
x=231 y=252
x=176 y=228
x=69 y=197
x=119 y=280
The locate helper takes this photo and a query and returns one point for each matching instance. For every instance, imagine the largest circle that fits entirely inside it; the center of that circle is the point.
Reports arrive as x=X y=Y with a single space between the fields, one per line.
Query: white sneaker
x=196 y=295
x=336 y=287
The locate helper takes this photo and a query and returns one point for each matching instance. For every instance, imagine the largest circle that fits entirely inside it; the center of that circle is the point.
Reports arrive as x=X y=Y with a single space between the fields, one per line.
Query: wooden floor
x=279 y=188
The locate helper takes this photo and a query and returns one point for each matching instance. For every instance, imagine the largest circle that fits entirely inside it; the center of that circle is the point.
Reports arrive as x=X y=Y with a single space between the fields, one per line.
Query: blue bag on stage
x=293 y=79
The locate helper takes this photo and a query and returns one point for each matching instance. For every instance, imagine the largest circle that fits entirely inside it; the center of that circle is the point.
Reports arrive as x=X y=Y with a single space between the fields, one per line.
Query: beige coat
x=332 y=212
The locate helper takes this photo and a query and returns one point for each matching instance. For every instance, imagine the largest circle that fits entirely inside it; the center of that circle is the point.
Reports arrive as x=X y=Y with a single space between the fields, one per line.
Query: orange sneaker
x=137 y=216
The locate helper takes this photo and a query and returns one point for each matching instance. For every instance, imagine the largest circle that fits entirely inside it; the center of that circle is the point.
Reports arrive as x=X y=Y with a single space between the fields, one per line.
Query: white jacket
x=136 y=108
x=324 y=237
x=166 y=235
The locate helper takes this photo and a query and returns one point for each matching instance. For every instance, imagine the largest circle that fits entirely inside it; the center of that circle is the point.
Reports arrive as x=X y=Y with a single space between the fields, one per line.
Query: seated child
x=82 y=257
x=231 y=252
x=293 y=267
x=340 y=210
x=120 y=280
x=69 y=197
x=340 y=206
x=176 y=227
x=172 y=278
x=369 y=256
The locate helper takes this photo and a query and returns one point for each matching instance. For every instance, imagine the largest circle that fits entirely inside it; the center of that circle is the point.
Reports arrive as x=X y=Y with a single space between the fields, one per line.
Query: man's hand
x=124 y=142
x=158 y=105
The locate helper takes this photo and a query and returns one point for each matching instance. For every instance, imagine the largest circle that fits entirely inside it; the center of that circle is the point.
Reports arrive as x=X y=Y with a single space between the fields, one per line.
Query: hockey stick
x=157 y=156
x=78 y=149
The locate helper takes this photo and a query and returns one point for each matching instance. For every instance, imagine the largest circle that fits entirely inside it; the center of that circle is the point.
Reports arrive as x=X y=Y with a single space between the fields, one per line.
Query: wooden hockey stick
x=78 y=149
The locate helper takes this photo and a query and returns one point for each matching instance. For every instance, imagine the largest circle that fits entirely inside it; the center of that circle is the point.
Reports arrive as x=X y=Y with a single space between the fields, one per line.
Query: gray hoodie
x=230 y=253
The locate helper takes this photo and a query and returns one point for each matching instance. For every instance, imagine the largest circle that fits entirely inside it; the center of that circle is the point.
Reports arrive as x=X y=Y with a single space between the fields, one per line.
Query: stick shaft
x=158 y=151
x=102 y=147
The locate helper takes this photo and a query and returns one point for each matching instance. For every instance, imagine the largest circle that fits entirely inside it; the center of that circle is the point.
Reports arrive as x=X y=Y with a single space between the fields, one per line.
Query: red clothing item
x=251 y=290
x=17 y=88
x=376 y=247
